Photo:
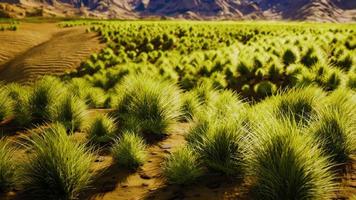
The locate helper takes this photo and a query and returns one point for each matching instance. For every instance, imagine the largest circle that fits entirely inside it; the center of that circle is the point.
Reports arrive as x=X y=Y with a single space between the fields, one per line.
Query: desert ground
x=43 y=48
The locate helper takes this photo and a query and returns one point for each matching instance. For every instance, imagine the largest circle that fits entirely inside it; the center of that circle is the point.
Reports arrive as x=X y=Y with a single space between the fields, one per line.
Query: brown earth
x=43 y=48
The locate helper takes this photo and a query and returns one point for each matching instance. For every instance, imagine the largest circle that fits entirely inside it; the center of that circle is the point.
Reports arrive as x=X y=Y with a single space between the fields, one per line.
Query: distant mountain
x=314 y=10
x=201 y=7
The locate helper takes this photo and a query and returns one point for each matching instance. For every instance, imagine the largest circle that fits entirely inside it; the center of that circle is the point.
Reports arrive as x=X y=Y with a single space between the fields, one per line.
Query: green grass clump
x=216 y=133
x=190 y=105
x=336 y=133
x=94 y=97
x=8 y=166
x=351 y=82
x=151 y=105
x=182 y=166
x=129 y=151
x=286 y=164
x=21 y=109
x=43 y=97
x=227 y=103
x=345 y=61
x=265 y=88
x=58 y=167
x=298 y=104
x=312 y=56
x=205 y=93
x=221 y=147
x=199 y=126
x=78 y=86
x=335 y=125
x=5 y=104
x=290 y=56
x=69 y=111
x=102 y=129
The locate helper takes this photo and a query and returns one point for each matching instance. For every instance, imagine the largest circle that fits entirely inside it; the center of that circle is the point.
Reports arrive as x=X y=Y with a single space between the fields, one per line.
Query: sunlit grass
x=129 y=151
x=8 y=166
x=102 y=129
x=152 y=106
x=182 y=166
x=58 y=167
x=286 y=164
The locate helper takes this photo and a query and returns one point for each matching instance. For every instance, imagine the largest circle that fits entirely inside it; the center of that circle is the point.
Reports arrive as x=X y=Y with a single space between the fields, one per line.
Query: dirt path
x=38 y=49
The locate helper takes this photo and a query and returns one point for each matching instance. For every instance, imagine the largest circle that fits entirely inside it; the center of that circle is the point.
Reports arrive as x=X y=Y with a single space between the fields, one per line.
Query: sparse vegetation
x=13 y=26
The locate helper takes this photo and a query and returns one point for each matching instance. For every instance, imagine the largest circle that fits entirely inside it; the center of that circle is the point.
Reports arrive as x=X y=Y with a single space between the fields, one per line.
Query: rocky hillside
x=314 y=10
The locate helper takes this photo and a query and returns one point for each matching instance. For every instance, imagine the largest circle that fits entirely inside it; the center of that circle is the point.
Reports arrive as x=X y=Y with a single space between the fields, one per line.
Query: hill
x=312 y=10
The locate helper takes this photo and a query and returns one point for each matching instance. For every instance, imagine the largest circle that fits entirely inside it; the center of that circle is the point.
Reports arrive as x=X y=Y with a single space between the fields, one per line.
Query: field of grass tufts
x=267 y=109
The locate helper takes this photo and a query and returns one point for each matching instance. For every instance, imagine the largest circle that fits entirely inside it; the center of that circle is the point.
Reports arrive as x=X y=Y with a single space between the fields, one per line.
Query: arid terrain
x=246 y=69
x=39 y=49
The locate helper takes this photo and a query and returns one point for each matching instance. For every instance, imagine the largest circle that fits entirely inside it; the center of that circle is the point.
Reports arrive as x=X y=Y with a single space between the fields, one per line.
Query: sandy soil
x=38 y=49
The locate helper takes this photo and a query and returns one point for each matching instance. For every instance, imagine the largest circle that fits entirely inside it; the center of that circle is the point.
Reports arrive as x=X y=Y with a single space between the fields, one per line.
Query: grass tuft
x=151 y=105
x=69 y=111
x=351 y=82
x=8 y=166
x=290 y=56
x=298 y=104
x=227 y=104
x=335 y=126
x=221 y=147
x=43 y=97
x=20 y=97
x=286 y=164
x=58 y=168
x=5 y=104
x=129 y=151
x=102 y=129
x=265 y=88
x=205 y=93
x=182 y=166
x=223 y=107
x=216 y=133
x=190 y=105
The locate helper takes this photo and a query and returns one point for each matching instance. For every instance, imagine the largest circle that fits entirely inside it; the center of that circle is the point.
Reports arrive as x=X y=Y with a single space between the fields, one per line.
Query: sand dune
x=36 y=50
